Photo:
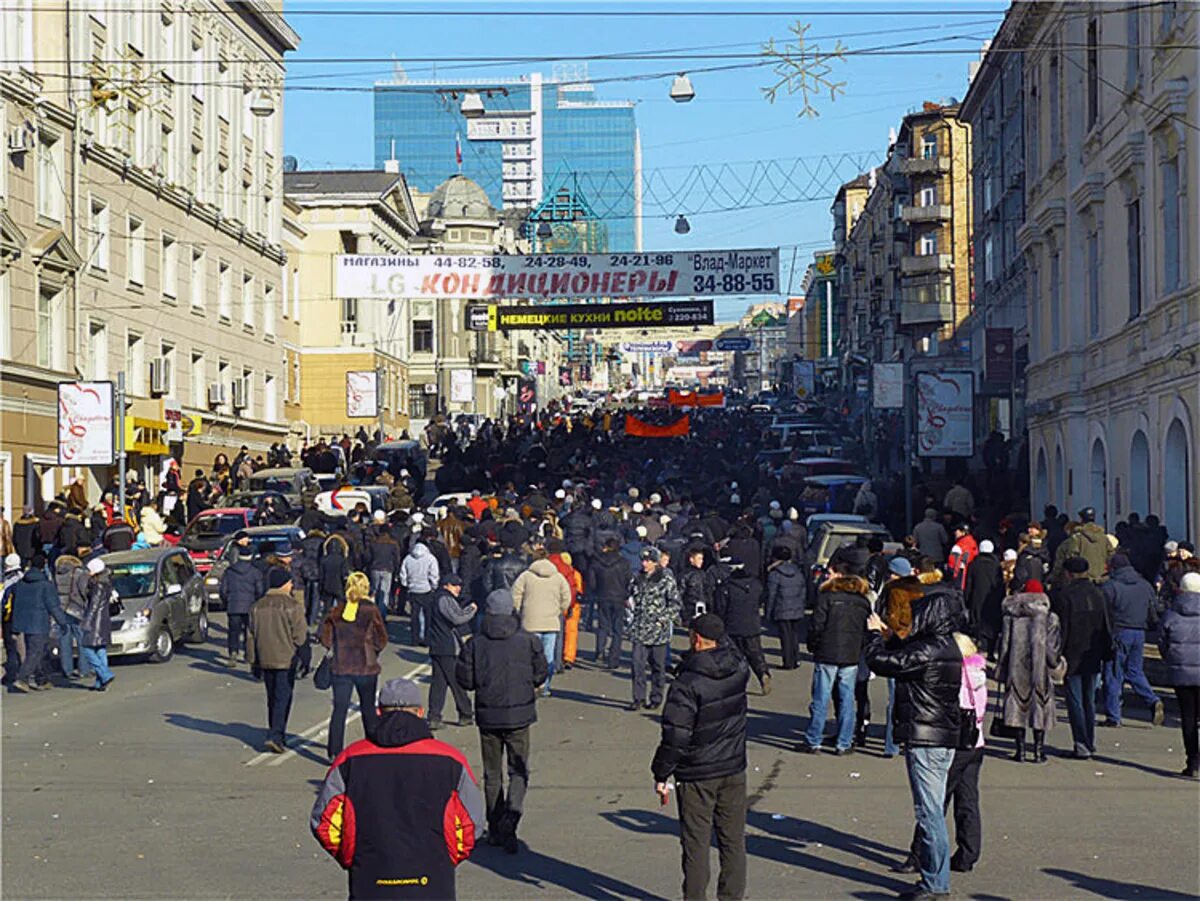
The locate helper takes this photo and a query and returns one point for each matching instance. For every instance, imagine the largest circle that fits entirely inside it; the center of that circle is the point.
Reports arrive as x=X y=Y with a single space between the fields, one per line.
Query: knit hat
x=380 y=516
x=450 y=579
x=651 y=553
x=400 y=693
x=1117 y=561
x=597 y=504
x=12 y=562
x=95 y=566
x=1171 y=547
x=986 y=547
x=499 y=602
x=900 y=566
x=1190 y=582
x=1010 y=554
x=276 y=577
x=1033 y=586
x=1076 y=565
x=709 y=626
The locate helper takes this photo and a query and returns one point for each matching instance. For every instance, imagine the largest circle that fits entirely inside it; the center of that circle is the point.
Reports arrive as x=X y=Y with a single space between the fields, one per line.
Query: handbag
x=999 y=730
x=323 y=677
x=968 y=723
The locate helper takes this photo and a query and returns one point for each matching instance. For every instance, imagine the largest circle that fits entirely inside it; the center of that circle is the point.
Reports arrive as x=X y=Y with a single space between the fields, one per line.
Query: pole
x=909 y=400
x=121 y=442
x=380 y=374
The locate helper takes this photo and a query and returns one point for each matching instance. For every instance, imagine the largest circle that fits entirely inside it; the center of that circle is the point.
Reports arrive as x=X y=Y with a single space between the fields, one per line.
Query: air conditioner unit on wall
x=20 y=140
x=217 y=395
x=239 y=394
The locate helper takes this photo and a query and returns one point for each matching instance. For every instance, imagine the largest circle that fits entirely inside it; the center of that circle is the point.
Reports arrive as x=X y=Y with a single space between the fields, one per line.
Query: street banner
x=714 y=273
x=462 y=386
x=728 y=344
x=647 y=347
x=564 y=376
x=804 y=377
x=693 y=348
x=998 y=363
x=86 y=432
x=945 y=414
x=527 y=395
x=638 y=428
x=887 y=381
x=694 y=399
x=597 y=315
x=172 y=415
x=362 y=394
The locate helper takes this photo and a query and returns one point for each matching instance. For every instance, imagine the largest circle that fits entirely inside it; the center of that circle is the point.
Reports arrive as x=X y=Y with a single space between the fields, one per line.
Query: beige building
x=142 y=215
x=1112 y=245
x=350 y=212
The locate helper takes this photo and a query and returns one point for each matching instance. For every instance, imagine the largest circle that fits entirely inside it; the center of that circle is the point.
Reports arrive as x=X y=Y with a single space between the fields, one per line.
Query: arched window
x=1060 y=480
x=1098 y=471
x=1177 y=482
x=1139 y=475
x=1041 y=483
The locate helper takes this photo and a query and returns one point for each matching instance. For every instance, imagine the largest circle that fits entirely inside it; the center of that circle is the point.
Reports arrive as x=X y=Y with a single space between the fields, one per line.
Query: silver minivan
x=162 y=602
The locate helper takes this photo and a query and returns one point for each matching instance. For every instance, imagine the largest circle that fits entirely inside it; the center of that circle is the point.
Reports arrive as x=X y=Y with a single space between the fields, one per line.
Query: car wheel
x=164 y=646
x=200 y=633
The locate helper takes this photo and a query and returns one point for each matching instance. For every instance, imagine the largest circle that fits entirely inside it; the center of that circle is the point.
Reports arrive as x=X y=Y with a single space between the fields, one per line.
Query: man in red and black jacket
x=399 y=810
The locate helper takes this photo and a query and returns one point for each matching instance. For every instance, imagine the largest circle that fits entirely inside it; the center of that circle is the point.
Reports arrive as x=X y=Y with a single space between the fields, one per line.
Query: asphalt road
x=158 y=789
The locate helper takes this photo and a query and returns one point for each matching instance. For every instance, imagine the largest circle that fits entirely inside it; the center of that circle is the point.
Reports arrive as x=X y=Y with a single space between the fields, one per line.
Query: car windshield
x=266 y=545
x=217 y=524
x=133 y=579
x=271 y=483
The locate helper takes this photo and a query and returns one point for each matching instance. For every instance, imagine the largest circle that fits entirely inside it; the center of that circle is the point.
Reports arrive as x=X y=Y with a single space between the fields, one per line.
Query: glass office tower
x=534 y=132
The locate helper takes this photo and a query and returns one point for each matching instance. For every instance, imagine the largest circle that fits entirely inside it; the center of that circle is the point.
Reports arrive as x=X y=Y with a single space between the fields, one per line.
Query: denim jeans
x=928 y=770
x=1126 y=666
x=66 y=648
x=889 y=741
x=343 y=687
x=549 y=643
x=97 y=661
x=1081 y=711
x=235 y=638
x=609 y=629
x=826 y=678
x=381 y=589
x=280 y=685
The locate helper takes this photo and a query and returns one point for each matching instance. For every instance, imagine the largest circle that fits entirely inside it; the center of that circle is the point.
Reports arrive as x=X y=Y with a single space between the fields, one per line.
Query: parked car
x=813 y=523
x=162 y=602
x=443 y=502
x=207 y=532
x=808 y=466
x=264 y=541
x=400 y=455
x=832 y=535
x=830 y=493
x=289 y=482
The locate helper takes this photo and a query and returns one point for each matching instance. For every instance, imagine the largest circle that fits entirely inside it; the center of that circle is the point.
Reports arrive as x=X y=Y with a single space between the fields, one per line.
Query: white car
x=341 y=501
x=443 y=502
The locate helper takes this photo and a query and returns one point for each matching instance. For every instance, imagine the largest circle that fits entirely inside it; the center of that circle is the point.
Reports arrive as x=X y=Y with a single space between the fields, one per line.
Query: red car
x=207 y=533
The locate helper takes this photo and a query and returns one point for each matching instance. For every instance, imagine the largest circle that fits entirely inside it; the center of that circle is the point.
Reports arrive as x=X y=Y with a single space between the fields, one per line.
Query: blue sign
x=734 y=344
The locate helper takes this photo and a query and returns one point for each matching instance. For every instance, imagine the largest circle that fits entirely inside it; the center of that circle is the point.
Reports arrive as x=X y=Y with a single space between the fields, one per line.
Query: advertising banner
x=172 y=415
x=638 y=428
x=998 y=355
x=462 y=386
x=945 y=414
x=526 y=395
x=86 y=419
x=714 y=273
x=598 y=315
x=362 y=394
x=728 y=344
x=804 y=377
x=887 y=381
x=693 y=348
x=647 y=347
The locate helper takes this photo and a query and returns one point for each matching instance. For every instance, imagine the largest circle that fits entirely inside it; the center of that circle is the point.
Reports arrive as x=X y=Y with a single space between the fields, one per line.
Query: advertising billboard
x=713 y=273
x=597 y=315
x=887 y=381
x=945 y=414
x=86 y=420
x=362 y=394
x=462 y=386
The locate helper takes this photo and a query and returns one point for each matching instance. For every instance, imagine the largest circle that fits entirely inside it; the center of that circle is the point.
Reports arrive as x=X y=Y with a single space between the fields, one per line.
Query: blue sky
x=716 y=144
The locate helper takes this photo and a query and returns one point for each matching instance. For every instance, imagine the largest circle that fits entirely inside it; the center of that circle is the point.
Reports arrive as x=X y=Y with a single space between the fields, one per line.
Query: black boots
x=1019 y=752
x=1039 y=746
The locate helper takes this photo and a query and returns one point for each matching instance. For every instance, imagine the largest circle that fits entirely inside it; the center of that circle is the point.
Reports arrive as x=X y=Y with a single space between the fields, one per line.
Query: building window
x=1031 y=125
x=1171 y=224
x=422 y=336
x=270 y=400
x=248 y=392
x=1133 y=69
x=98 y=230
x=268 y=309
x=198 y=375
x=170 y=267
x=135 y=364
x=989 y=260
x=1055 y=90
x=166 y=154
x=137 y=251
x=223 y=378
x=928 y=196
x=196 y=276
x=248 y=301
x=1035 y=313
x=296 y=296
x=349 y=316
x=1133 y=252
x=928 y=244
x=1055 y=302
x=51 y=186
x=224 y=291
x=1093 y=283
x=51 y=328
x=1093 y=73
x=929 y=147
x=167 y=356
x=5 y=313
x=97 y=351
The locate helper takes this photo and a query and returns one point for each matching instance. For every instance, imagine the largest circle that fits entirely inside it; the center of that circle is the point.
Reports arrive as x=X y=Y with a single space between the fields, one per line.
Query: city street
x=157 y=789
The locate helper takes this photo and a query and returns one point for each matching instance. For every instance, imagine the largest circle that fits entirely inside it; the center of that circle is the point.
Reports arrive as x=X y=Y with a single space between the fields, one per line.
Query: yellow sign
x=825 y=265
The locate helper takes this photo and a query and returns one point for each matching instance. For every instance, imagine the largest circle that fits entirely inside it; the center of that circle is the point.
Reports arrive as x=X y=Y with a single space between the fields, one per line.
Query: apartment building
x=142 y=227
x=1112 y=253
x=350 y=212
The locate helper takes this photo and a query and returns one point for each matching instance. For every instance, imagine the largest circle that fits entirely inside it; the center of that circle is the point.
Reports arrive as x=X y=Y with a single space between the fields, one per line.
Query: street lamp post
x=121 y=442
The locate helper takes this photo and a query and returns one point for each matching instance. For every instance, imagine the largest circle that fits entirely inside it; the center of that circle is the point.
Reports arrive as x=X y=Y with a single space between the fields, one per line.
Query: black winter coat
x=608 y=578
x=738 y=600
x=749 y=551
x=74 y=534
x=334 y=570
x=787 y=592
x=577 y=528
x=446 y=621
x=1032 y=563
x=984 y=593
x=1131 y=600
x=310 y=555
x=384 y=554
x=1084 y=626
x=500 y=571
x=704 y=719
x=96 y=622
x=927 y=667
x=242 y=585
x=839 y=622
x=503 y=665
x=25 y=537
x=696 y=587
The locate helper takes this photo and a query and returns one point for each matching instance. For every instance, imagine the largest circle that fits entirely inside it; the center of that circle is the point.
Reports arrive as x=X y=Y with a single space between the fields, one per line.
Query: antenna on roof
x=398 y=74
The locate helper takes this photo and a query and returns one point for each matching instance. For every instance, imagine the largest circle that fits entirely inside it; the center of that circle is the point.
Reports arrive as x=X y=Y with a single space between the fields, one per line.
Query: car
x=809 y=466
x=773 y=459
x=162 y=602
x=287 y=481
x=398 y=455
x=830 y=493
x=341 y=501
x=830 y=536
x=207 y=531
x=815 y=520
x=443 y=502
x=264 y=540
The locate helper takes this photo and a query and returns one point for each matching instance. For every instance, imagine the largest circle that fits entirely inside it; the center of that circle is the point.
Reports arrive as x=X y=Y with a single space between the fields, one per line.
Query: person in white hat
x=96 y=624
x=12 y=656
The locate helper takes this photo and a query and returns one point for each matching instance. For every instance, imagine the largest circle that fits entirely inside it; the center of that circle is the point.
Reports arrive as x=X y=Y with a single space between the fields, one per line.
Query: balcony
x=918 y=313
x=937 y=212
x=484 y=360
x=925 y=264
x=937 y=165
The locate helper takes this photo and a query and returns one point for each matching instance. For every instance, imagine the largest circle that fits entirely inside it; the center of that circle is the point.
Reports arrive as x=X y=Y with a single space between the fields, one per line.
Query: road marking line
x=321 y=729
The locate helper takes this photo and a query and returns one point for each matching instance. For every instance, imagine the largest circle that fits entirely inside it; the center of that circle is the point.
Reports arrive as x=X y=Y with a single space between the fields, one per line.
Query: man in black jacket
x=738 y=598
x=503 y=665
x=1086 y=644
x=447 y=620
x=241 y=586
x=704 y=747
x=927 y=667
x=835 y=638
x=696 y=585
x=384 y=556
x=608 y=588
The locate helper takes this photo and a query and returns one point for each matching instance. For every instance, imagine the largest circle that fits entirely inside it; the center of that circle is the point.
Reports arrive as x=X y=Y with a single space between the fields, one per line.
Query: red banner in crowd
x=694 y=399
x=637 y=428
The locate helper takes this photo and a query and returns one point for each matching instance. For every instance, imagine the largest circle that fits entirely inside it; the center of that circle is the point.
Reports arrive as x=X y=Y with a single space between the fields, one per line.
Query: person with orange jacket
x=562 y=562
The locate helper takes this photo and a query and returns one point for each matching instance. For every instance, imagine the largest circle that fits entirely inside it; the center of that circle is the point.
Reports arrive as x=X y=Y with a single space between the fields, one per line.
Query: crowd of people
x=569 y=525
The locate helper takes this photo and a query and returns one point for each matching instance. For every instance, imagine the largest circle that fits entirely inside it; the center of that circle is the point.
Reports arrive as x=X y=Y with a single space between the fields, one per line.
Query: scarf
x=350 y=612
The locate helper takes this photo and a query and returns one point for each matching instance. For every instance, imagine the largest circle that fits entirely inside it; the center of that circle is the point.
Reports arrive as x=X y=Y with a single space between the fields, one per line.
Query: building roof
x=340 y=181
x=459 y=198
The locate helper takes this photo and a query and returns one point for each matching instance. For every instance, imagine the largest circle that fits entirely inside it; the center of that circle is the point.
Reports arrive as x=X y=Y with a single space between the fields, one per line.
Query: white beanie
x=1190 y=582
x=560 y=494
x=597 y=504
x=793 y=513
x=380 y=516
x=633 y=492
x=1010 y=554
x=637 y=507
x=641 y=532
x=418 y=517
x=11 y=562
x=1171 y=547
x=735 y=499
x=656 y=498
x=95 y=566
x=986 y=547
x=775 y=505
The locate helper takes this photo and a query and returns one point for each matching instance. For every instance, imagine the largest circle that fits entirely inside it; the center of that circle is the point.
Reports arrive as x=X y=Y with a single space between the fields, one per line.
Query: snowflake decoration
x=802 y=68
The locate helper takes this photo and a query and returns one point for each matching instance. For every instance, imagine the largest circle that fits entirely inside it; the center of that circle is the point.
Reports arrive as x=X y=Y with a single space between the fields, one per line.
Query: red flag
x=637 y=428
x=458 y=149
x=694 y=399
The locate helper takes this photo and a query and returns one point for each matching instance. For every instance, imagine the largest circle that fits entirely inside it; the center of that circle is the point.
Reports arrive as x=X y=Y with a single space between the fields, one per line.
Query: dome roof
x=459 y=198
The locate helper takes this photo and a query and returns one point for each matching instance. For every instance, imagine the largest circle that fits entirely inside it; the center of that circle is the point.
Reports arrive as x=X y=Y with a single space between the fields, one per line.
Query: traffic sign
x=734 y=344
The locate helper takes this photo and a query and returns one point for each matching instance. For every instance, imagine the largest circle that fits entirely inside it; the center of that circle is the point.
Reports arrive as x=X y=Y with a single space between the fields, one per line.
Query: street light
x=682 y=226
x=681 y=88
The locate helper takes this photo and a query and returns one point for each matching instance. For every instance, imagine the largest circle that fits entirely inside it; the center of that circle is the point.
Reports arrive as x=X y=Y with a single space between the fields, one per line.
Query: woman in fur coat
x=1030 y=649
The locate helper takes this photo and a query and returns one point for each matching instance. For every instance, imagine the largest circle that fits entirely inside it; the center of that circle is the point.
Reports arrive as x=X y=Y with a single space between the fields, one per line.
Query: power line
x=555 y=13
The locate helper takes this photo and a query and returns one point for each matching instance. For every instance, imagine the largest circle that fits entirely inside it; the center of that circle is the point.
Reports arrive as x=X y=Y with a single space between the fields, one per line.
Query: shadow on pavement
x=1117 y=761
x=534 y=869
x=579 y=697
x=243 y=732
x=785 y=844
x=1110 y=888
x=205 y=659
